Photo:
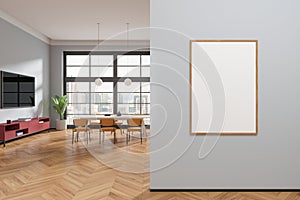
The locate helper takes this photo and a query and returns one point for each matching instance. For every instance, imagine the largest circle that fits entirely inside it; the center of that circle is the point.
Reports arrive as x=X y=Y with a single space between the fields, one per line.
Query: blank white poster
x=223 y=78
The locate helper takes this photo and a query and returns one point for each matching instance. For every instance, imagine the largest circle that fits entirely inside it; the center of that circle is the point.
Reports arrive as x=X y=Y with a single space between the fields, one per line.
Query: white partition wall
x=223 y=78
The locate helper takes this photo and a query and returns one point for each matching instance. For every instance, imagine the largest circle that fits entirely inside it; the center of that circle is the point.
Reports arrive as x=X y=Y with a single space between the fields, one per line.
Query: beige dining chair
x=80 y=126
x=134 y=125
x=108 y=125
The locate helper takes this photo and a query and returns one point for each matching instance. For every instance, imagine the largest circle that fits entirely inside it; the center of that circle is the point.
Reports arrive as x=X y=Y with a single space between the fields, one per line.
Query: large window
x=85 y=98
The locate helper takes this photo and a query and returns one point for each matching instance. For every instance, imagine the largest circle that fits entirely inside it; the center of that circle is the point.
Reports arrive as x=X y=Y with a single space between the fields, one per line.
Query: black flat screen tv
x=17 y=90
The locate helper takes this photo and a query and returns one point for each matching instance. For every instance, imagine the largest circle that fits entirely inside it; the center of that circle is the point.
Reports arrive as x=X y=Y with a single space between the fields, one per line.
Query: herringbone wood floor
x=48 y=166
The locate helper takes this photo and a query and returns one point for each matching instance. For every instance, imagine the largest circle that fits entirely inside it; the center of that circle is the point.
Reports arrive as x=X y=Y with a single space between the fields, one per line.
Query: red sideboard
x=18 y=129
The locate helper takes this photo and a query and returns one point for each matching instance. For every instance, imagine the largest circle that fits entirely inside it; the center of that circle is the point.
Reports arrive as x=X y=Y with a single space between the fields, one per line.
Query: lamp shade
x=98 y=82
x=127 y=81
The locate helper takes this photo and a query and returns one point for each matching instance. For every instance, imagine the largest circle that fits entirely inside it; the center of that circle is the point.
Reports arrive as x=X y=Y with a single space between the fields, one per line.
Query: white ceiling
x=77 y=19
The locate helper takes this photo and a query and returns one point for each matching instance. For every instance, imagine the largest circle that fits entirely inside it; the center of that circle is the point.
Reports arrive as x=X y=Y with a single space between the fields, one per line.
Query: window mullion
x=115 y=84
x=90 y=86
x=140 y=84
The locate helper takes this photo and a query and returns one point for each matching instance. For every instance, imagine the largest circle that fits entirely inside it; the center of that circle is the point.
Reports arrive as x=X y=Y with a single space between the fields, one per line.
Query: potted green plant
x=60 y=105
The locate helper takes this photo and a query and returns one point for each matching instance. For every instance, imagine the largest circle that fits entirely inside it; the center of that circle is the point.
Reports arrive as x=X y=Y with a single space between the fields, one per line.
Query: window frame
x=114 y=79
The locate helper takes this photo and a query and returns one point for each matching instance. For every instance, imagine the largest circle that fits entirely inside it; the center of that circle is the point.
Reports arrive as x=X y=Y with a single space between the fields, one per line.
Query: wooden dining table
x=121 y=118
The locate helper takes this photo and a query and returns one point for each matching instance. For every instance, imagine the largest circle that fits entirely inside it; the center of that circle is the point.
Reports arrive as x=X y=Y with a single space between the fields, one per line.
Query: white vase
x=61 y=124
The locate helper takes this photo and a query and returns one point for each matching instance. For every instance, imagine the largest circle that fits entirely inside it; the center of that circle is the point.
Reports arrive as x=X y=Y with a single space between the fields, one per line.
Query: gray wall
x=22 y=53
x=270 y=159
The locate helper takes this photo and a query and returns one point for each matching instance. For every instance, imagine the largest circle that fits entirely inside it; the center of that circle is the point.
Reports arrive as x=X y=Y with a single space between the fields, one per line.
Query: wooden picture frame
x=235 y=64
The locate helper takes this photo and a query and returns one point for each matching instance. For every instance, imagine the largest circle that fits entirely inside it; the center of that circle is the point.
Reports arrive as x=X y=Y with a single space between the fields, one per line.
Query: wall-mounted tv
x=17 y=90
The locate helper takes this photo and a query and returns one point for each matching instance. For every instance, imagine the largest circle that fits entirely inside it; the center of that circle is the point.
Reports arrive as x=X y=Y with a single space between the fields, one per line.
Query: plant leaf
x=60 y=104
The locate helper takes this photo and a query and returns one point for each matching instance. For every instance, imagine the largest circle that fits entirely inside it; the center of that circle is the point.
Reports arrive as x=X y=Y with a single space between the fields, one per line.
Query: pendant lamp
x=127 y=81
x=98 y=81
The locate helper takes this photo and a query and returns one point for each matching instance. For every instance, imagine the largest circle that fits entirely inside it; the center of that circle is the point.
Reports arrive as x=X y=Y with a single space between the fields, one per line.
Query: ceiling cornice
x=143 y=43
x=24 y=27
